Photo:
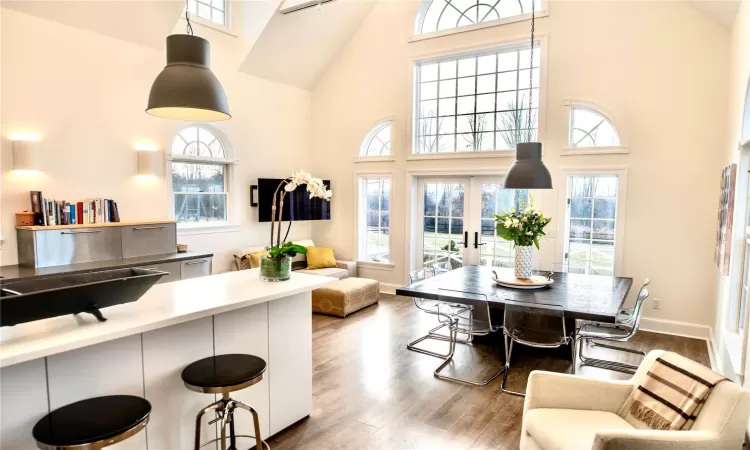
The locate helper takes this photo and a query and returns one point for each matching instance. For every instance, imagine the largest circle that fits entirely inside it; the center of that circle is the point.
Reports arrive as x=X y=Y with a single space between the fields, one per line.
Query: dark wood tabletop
x=586 y=297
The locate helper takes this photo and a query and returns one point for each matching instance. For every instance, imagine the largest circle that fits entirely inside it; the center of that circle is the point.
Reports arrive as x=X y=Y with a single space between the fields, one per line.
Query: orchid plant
x=524 y=227
x=316 y=188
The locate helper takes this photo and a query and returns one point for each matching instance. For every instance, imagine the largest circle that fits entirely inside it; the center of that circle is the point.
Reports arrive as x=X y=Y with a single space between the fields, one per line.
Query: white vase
x=523 y=261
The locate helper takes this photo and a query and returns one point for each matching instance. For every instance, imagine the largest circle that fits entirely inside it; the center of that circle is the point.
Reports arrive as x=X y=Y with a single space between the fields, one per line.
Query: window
x=477 y=102
x=590 y=128
x=495 y=251
x=745 y=139
x=213 y=10
x=200 y=170
x=377 y=142
x=374 y=219
x=592 y=213
x=440 y=15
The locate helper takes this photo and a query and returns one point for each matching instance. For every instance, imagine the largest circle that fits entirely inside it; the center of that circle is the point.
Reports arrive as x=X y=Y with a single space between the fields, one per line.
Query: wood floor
x=369 y=392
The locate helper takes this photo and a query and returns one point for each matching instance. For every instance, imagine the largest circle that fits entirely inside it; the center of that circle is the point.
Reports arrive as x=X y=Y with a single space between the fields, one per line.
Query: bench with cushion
x=343 y=269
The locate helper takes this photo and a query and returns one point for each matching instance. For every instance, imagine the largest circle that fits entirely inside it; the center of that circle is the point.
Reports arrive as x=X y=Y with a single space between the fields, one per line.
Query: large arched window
x=378 y=141
x=200 y=165
x=441 y=15
x=590 y=128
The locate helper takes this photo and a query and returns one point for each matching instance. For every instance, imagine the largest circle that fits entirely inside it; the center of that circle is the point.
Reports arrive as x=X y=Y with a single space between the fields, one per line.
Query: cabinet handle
x=195 y=262
x=156 y=227
x=81 y=232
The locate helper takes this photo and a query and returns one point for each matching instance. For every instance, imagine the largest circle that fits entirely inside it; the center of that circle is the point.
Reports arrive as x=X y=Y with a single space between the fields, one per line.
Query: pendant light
x=528 y=171
x=187 y=89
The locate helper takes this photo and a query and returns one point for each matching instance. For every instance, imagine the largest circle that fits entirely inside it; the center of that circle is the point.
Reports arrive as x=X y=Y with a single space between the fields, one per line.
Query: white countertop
x=163 y=305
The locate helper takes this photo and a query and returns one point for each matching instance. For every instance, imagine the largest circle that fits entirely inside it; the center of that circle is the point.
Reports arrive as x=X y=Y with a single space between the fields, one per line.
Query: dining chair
x=533 y=325
x=432 y=307
x=478 y=323
x=625 y=326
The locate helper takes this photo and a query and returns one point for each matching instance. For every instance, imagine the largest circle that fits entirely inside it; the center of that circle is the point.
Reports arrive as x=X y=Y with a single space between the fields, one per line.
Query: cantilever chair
x=434 y=307
x=478 y=323
x=533 y=325
x=625 y=327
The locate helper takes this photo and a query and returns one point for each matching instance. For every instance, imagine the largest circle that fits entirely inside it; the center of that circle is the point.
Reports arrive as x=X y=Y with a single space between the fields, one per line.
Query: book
x=62 y=212
x=72 y=213
x=79 y=212
x=37 y=204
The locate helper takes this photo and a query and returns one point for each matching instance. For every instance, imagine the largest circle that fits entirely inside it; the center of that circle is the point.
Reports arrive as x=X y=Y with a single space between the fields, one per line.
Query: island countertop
x=162 y=306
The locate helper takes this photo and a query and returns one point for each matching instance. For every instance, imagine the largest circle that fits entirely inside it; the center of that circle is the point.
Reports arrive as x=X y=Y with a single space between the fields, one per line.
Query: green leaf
x=536 y=243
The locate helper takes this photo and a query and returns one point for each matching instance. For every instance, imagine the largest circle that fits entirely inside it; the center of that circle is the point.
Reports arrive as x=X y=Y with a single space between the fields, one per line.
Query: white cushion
x=334 y=272
x=569 y=429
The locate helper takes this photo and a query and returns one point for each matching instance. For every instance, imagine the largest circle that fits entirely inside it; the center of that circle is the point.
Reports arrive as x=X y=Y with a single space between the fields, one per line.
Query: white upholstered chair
x=567 y=412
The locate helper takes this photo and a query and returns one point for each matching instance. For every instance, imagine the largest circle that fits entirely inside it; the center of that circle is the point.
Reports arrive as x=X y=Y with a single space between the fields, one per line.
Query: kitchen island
x=143 y=346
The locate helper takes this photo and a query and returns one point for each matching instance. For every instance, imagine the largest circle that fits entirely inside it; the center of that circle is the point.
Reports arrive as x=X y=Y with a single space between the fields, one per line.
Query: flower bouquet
x=523 y=227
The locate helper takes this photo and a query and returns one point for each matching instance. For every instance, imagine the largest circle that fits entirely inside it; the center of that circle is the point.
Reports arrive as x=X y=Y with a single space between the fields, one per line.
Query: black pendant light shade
x=528 y=172
x=187 y=89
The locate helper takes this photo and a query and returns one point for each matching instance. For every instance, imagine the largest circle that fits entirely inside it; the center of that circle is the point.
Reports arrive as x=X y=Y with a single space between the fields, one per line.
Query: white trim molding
x=360 y=210
x=371 y=265
x=388 y=288
x=676 y=328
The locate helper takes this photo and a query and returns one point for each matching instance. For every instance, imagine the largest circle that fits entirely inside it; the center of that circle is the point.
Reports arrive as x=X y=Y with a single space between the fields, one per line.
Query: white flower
x=290 y=186
x=529 y=233
x=508 y=223
x=515 y=222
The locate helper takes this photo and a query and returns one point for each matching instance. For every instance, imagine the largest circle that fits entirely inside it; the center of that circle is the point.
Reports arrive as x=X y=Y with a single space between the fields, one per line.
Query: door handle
x=150 y=228
x=195 y=262
x=81 y=232
x=476 y=240
x=465 y=243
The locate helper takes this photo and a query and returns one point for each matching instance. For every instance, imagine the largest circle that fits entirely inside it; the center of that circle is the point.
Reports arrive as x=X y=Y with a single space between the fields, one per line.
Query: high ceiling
x=722 y=12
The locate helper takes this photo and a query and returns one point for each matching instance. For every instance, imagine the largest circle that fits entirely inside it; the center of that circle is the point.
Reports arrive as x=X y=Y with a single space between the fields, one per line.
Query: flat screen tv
x=297 y=204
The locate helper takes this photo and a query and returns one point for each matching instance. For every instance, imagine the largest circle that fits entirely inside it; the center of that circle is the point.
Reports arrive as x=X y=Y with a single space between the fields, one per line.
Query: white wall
x=84 y=96
x=738 y=77
x=658 y=67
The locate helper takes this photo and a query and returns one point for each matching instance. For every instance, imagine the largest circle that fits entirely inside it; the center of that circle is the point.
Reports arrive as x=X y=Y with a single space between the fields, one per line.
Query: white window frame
x=570 y=150
x=360 y=207
x=563 y=212
x=372 y=131
x=736 y=339
x=415 y=60
x=225 y=28
x=230 y=184
x=425 y=4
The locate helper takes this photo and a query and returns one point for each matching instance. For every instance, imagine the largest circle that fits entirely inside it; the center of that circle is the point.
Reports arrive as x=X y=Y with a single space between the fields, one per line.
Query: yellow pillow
x=255 y=258
x=320 y=258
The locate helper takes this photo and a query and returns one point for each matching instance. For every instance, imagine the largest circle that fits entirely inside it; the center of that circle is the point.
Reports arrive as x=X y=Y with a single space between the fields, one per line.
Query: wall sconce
x=25 y=155
x=150 y=162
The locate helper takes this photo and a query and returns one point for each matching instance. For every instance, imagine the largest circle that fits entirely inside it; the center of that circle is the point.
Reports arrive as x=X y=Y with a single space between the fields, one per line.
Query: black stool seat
x=224 y=373
x=92 y=421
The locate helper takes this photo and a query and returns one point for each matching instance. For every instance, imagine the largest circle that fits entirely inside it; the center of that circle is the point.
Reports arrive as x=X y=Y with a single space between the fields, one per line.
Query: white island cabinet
x=143 y=346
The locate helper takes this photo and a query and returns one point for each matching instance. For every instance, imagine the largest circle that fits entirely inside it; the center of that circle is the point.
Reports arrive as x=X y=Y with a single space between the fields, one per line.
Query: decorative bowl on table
x=506 y=278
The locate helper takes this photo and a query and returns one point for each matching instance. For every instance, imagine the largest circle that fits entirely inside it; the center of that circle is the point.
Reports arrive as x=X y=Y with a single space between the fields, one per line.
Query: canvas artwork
x=725 y=219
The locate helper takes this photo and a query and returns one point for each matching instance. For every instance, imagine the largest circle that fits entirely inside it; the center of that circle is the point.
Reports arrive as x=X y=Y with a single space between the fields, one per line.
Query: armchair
x=577 y=413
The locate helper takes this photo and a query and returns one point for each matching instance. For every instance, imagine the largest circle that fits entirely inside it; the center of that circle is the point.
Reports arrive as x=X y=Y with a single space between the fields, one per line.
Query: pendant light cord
x=531 y=68
x=187 y=19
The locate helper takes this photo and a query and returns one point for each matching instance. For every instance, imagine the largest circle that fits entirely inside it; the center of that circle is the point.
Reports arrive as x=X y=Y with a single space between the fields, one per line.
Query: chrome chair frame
x=626 y=325
x=433 y=333
x=224 y=410
x=456 y=325
x=564 y=340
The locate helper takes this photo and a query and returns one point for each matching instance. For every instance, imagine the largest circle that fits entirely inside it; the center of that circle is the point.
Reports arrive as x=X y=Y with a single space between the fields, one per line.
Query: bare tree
x=513 y=121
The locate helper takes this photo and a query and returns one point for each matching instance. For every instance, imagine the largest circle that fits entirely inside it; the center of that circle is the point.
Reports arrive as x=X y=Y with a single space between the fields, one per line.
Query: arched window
x=378 y=141
x=590 y=128
x=200 y=167
x=440 y=15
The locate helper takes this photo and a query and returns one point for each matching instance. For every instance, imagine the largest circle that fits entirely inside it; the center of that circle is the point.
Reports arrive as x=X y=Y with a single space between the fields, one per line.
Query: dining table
x=581 y=296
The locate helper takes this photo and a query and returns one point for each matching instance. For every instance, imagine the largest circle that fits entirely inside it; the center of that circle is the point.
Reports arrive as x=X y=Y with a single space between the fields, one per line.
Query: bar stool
x=93 y=423
x=223 y=374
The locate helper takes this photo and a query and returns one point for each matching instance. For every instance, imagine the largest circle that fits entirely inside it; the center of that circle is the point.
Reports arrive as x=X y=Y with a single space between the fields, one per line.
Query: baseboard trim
x=684 y=329
x=388 y=288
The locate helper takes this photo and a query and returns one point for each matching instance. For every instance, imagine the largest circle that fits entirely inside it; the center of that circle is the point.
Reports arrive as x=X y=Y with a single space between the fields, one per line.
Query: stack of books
x=89 y=211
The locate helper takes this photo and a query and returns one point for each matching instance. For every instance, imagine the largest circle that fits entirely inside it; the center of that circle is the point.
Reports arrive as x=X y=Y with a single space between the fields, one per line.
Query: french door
x=456 y=223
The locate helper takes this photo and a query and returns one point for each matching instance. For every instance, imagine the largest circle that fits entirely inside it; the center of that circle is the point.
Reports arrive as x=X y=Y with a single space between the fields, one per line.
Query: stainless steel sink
x=28 y=300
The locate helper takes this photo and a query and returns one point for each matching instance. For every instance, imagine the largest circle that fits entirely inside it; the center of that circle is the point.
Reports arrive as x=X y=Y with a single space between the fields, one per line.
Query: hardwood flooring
x=370 y=392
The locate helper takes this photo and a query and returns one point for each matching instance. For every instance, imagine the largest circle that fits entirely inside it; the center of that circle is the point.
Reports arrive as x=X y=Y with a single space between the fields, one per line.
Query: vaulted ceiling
x=294 y=48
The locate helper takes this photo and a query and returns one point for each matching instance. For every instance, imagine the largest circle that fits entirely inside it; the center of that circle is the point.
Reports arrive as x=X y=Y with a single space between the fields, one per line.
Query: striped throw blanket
x=672 y=394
